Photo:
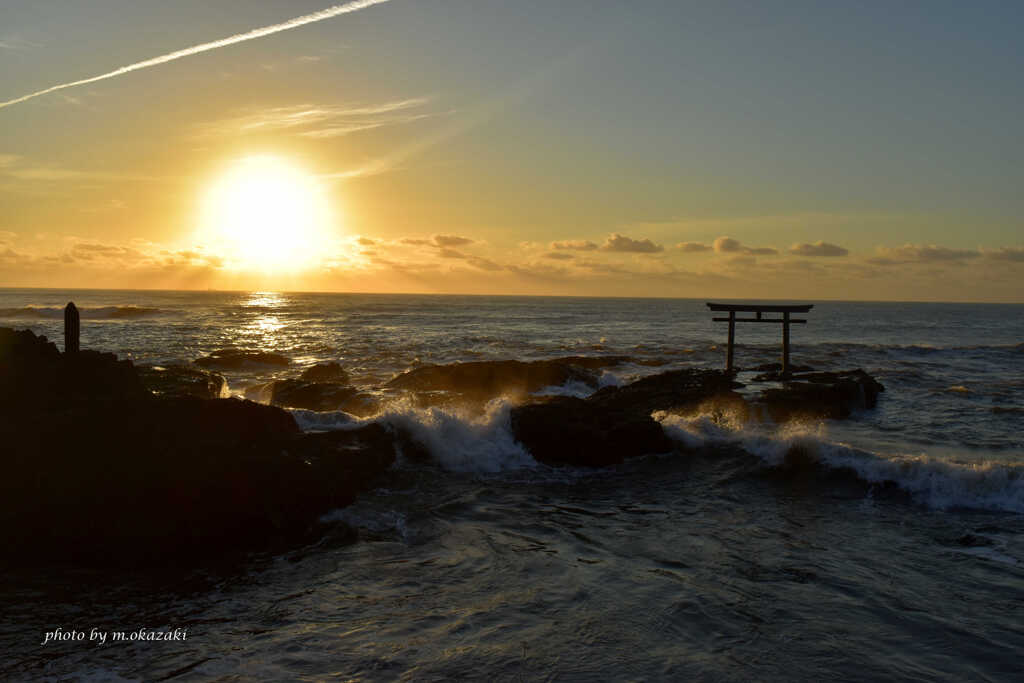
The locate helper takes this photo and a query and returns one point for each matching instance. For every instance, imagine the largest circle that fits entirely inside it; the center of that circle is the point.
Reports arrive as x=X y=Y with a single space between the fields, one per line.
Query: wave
x=455 y=441
x=100 y=313
x=937 y=484
x=484 y=444
x=463 y=443
x=312 y=421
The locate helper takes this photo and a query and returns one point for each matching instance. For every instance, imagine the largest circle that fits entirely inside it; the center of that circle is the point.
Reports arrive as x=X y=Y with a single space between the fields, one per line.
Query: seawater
x=484 y=563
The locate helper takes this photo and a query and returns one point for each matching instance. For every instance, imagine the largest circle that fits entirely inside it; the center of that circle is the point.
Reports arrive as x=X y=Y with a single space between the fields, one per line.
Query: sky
x=726 y=149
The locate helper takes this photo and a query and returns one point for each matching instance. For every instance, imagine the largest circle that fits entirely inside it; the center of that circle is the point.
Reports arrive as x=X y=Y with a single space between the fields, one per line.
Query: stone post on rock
x=71 y=328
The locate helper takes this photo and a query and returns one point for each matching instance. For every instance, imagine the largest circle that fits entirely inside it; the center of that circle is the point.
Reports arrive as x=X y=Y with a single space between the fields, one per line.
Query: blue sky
x=890 y=130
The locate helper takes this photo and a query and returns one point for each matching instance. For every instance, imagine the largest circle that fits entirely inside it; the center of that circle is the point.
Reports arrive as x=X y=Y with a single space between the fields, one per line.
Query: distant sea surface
x=486 y=564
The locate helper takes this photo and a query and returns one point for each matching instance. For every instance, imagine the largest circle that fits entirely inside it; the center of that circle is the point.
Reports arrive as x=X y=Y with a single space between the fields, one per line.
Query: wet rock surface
x=565 y=430
x=239 y=359
x=614 y=423
x=325 y=372
x=675 y=390
x=484 y=380
x=774 y=369
x=181 y=380
x=321 y=396
x=822 y=394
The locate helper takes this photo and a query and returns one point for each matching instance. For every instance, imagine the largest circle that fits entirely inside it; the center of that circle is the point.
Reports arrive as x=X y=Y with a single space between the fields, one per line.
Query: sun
x=264 y=213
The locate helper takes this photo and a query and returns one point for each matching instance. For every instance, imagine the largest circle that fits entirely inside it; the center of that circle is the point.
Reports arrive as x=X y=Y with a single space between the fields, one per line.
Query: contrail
x=328 y=13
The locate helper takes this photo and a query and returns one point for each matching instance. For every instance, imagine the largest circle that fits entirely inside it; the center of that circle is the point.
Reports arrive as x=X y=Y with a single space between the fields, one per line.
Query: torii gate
x=759 y=309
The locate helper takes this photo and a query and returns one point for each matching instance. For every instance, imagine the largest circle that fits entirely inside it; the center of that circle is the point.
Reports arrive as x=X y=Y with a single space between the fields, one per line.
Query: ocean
x=710 y=563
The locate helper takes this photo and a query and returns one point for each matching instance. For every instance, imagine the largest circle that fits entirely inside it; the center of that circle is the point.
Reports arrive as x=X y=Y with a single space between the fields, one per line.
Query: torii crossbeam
x=759 y=310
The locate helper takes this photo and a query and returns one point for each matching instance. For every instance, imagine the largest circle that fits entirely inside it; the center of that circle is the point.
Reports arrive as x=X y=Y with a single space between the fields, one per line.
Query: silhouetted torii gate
x=759 y=309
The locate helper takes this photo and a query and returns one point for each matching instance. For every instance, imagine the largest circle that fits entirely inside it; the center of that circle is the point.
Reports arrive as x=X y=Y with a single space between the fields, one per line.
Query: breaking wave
x=485 y=444
x=456 y=442
x=935 y=483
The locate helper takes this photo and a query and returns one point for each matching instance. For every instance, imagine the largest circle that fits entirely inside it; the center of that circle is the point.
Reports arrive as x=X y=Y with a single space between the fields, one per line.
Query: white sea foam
x=608 y=378
x=458 y=442
x=939 y=484
x=461 y=442
x=312 y=421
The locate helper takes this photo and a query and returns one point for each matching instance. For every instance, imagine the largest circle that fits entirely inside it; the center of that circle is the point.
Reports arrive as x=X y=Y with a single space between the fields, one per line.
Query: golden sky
x=773 y=150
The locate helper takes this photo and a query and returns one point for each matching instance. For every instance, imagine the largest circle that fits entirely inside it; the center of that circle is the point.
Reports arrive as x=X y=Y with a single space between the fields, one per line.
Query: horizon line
x=508 y=296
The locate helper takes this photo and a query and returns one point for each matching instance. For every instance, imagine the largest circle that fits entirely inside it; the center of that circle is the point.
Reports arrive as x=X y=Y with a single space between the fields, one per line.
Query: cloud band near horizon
x=328 y=13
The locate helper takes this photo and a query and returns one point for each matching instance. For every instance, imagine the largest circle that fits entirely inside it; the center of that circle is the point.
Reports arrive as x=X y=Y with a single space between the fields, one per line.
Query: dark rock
x=573 y=431
x=614 y=423
x=178 y=480
x=321 y=396
x=822 y=394
x=484 y=380
x=411 y=448
x=673 y=390
x=325 y=372
x=181 y=380
x=23 y=348
x=239 y=359
x=347 y=461
x=34 y=373
x=98 y=469
x=774 y=369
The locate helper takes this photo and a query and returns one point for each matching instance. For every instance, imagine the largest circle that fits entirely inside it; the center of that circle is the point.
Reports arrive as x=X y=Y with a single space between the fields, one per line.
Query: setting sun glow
x=266 y=214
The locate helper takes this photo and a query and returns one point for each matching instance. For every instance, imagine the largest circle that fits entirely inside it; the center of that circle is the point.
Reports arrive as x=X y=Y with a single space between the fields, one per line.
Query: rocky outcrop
x=571 y=431
x=675 y=390
x=240 y=359
x=181 y=380
x=33 y=373
x=774 y=370
x=321 y=396
x=821 y=394
x=325 y=372
x=484 y=380
x=614 y=423
x=96 y=468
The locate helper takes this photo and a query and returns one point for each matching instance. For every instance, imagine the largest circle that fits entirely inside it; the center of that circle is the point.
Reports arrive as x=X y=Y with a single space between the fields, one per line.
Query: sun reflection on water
x=262 y=322
x=266 y=324
x=264 y=300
